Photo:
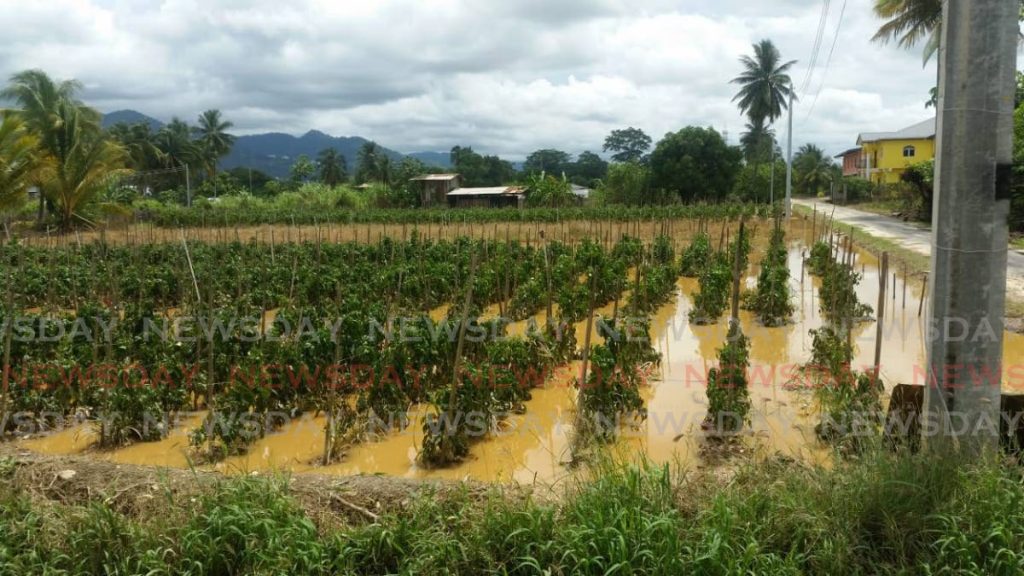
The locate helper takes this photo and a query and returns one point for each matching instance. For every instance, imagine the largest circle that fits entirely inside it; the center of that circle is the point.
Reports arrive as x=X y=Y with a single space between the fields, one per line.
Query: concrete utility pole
x=974 y=134
x=789 y=158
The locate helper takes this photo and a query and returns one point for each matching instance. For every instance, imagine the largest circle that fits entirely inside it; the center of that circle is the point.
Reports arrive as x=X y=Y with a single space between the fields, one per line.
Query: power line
x=828 y=62
x=816 y=47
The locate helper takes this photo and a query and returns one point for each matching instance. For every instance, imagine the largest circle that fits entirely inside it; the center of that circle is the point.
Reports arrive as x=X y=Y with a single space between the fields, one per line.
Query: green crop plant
x=713 y=298
x=610 y=394
x=696 y=257
x=772 y=302
x=727 y=388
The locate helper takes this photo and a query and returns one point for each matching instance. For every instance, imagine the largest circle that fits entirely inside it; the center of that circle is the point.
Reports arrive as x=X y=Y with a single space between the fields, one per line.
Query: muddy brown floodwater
x=534 y=447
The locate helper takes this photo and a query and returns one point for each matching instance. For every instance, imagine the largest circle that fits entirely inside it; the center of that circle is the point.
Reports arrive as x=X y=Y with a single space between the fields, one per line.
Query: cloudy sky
x=504 y=76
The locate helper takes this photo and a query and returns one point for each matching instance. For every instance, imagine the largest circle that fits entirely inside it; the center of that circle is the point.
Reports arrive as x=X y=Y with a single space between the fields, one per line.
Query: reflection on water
x=533 y=447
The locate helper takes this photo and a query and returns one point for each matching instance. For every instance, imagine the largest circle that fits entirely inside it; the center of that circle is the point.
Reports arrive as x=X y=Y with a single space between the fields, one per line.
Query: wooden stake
x=884 y=274
x=924 y=290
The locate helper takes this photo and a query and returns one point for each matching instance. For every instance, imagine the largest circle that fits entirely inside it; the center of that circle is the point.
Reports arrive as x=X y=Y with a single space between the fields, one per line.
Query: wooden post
x=884 y=274
x=904 y=287
x=814 y=226
x=924 y=289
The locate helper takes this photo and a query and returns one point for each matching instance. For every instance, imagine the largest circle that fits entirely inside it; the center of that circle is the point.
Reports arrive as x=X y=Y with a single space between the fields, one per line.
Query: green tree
x=549 y=161
x=696 y=164
x=213 y=140
x=333 y=167
x=813 y=168
x=38 y=99
x=302 y=170
x=549 y=191
x=754 y=182
x=477 y=170
x=765 y=85
x=627 y=183
x=628 y=144
x=257 y=182
x=18 y=161
x=588 y=169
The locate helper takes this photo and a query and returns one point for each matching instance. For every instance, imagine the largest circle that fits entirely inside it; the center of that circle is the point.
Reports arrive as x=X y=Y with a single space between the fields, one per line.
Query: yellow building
x=885 y=155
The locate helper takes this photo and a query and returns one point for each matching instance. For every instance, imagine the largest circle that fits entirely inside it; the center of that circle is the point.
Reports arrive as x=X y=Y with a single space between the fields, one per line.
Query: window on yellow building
x=909 y=151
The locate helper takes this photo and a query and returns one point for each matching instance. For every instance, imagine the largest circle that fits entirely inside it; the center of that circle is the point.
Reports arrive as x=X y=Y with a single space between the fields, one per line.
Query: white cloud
x=503 y=77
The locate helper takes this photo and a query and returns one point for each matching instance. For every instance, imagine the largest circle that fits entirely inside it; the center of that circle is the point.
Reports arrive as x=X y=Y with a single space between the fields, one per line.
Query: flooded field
x=534 y=447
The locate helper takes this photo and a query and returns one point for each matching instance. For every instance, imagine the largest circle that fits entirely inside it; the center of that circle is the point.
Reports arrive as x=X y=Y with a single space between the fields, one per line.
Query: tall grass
x=880 y=514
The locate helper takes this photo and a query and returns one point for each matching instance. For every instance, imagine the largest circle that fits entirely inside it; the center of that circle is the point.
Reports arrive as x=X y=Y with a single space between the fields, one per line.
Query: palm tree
x=140 y=144
x=89 y=165
x=176 y=144
x=814 y=169
x=765 y=85
x=908 y=22
x=39 y=99
x=366 y=162
x=332 y=167
x=213 y=140
x=19 y=160
x=758 y=142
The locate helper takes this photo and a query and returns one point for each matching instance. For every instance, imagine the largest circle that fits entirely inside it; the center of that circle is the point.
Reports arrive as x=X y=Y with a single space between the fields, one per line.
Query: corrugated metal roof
x=488 y=191
x=920 y=131
x=845 y=152
x=435 y=177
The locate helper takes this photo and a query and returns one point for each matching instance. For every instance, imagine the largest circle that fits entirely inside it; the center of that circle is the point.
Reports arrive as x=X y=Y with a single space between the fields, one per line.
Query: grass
x=880 y=514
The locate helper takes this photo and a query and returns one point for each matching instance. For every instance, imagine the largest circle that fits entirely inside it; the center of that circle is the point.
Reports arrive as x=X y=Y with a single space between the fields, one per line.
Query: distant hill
x=274 y=153
x=438 y=159
x=130 y=117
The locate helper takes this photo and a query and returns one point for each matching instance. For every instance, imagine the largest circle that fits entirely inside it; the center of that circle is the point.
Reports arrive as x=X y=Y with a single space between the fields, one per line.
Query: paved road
x=912 y=237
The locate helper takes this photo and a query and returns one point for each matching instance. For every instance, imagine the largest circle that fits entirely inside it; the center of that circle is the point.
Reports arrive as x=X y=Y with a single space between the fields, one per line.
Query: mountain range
x=274 y=153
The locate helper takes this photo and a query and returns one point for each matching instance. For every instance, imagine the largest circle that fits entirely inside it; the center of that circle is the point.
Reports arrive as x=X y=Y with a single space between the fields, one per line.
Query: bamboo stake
x=462 y=332
x=191 y=269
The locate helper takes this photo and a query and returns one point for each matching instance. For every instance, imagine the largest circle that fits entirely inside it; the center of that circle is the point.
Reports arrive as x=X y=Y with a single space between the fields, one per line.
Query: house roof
x=435 y=178
x=920 y=131
x=489 y=191
x=581 y=191
x=845 y=152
